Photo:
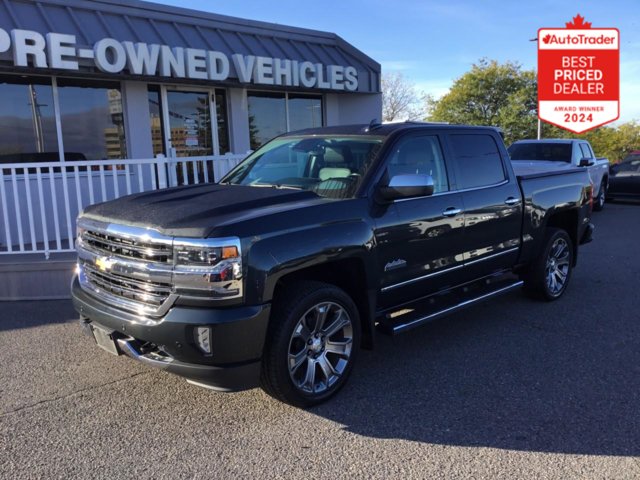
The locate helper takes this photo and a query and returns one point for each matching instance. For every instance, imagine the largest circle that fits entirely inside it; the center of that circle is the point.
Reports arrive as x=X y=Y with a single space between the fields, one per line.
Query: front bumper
x=237 y=339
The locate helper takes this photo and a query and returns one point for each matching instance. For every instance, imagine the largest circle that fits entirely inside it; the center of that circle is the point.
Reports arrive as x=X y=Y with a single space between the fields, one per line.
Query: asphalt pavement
x=513 y=388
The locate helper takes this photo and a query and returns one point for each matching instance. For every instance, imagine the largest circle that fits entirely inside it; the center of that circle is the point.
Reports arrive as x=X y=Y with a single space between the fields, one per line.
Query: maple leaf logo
x=578 y=23
x=546 y=38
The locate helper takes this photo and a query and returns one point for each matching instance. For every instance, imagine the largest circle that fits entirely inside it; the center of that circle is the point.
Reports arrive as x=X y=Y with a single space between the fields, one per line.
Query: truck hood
x=194 y=211
x=528 y=167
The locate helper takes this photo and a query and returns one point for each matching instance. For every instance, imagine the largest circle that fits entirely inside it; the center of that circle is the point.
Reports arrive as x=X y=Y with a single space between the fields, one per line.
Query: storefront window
x=92 y=120
x=190 y=123
x=155 y=117
x=27 y=120
x=304 y=112
x=223 y=126
x=268 y=115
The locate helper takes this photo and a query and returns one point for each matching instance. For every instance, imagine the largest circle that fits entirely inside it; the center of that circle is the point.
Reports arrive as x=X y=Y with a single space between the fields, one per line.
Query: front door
x=419 y=240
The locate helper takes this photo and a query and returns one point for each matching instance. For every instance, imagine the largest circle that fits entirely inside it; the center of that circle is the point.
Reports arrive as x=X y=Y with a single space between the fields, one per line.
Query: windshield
x=327 y=165
x=553 y=152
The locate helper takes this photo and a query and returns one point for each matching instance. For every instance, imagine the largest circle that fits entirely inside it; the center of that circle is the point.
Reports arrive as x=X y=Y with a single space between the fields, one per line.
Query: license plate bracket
x=105 y=340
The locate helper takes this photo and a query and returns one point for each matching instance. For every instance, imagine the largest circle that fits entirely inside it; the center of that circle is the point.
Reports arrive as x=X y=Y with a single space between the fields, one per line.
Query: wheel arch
x=348 y=274
x=568 y=221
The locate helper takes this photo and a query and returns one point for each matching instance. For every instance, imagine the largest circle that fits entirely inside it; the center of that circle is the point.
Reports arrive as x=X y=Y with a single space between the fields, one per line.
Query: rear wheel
x=550 y=273
x=314 y=336
x=598 y=203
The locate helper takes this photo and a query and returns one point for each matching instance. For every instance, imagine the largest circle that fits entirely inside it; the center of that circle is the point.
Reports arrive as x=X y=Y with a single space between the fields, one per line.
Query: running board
x=426 y=310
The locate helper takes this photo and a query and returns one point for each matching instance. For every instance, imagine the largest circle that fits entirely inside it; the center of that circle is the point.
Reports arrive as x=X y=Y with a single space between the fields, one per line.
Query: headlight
x=211 y=267
x=205 y=256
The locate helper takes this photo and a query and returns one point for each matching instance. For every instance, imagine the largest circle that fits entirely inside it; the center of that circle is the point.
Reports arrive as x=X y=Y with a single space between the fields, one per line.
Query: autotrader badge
x=578 y=75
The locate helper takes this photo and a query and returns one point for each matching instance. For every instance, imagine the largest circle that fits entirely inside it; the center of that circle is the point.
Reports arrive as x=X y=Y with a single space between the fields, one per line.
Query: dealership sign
x=578 y=75
x=60 y=51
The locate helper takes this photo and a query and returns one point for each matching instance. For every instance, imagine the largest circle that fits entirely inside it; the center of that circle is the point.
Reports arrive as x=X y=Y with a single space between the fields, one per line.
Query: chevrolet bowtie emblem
x=104 y=263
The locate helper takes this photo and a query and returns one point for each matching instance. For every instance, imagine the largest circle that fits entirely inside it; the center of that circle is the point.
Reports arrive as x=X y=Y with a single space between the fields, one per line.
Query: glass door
x=189 y=123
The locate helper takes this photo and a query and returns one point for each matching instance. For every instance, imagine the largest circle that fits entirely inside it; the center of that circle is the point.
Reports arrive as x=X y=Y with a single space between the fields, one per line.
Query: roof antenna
x=373 y=125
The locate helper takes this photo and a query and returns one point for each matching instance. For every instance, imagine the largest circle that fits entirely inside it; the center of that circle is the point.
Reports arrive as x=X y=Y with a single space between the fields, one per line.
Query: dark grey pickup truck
x=279 y=274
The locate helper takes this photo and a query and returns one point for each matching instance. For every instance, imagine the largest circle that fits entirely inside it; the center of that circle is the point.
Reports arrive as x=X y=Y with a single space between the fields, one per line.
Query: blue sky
x=434 y=42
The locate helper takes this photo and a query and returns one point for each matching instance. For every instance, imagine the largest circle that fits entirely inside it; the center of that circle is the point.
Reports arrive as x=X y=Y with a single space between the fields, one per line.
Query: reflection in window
x=92 y=120
x=27 y=120
x=223 y=126
x=190 y=123
x=304 y=112
x=267 y=117
x=478 y=159
x=155 y=118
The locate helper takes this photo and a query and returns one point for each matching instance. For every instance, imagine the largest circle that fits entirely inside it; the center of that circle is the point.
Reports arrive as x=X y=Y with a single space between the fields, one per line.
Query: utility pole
x=539 y=122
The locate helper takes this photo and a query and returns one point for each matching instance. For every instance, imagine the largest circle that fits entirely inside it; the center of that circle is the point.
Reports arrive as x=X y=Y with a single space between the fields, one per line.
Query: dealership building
x=108 y=97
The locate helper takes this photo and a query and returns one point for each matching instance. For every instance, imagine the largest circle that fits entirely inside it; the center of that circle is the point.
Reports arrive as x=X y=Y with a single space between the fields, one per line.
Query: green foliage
x=504 y=95
x=491 y=94
x=614 y=143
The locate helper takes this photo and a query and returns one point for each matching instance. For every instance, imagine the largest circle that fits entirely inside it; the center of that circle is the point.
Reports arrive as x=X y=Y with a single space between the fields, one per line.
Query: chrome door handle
x=512 y=201
x=451 y=212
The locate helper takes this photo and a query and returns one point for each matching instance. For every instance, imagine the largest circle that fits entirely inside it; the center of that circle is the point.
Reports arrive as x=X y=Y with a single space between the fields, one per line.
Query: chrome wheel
x=320 y=347
x=557 y=267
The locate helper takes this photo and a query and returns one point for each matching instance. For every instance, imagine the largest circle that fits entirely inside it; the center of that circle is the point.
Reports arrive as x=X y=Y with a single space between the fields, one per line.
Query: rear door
x=492 y=202
x=419 y=240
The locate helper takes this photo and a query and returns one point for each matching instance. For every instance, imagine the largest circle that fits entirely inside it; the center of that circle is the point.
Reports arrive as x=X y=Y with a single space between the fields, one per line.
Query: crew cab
x=566 y=153
x=317 y=242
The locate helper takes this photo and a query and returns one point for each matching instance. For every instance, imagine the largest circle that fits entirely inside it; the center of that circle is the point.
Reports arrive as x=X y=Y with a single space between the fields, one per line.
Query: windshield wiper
x=275 y=185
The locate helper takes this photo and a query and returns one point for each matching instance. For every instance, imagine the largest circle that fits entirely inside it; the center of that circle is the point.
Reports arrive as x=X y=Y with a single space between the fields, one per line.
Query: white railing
x=39 y=202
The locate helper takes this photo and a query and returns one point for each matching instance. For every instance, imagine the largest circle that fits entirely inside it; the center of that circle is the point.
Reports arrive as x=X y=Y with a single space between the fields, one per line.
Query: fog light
x=203 y=339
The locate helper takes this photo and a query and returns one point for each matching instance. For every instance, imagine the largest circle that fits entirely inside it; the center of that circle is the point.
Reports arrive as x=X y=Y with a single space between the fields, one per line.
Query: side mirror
x=407 y=186
x=586 y=162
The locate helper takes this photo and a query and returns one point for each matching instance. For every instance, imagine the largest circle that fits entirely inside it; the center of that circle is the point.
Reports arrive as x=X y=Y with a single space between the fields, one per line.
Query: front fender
x=270 y=258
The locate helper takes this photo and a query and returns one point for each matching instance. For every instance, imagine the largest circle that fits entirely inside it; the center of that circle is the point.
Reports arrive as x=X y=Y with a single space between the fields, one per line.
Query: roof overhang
x=95 y=37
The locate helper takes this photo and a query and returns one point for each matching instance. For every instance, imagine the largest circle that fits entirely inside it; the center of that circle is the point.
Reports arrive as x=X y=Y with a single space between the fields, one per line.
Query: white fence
x=39 y=202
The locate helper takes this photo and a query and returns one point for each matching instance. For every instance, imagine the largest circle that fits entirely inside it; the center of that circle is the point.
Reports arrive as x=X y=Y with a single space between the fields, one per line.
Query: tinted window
x=551 y=152
x=421 y=155
x=478 y=160
x=629 y=164
x=585 y=151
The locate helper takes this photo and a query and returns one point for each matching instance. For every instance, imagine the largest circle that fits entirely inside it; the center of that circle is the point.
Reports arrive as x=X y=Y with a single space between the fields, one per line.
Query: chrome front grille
x=129 y=268
x=145 y=292
x=139 y=249
x=134 y=269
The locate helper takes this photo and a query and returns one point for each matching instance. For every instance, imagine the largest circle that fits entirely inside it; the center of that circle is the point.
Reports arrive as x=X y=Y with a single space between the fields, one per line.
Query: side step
x=412 y=315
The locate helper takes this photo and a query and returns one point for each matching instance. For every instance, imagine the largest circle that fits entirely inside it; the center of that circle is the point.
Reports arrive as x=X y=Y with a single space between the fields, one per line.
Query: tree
x=400 y=99
x=506 y=96
x=491 y=94
x=615 y=143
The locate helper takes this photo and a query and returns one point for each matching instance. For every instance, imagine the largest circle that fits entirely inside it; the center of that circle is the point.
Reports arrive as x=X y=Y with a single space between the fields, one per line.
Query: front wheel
x=550 y=272
x=314 y=336
x=598 y=204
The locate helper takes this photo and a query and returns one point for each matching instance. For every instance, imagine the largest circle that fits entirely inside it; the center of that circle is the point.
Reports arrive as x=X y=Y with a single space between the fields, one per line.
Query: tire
x=550 y=272
x=598 y=203
x=312 y=344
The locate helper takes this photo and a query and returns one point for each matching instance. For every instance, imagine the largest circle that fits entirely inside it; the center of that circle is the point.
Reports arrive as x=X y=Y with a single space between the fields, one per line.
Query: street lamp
x=539 y=122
